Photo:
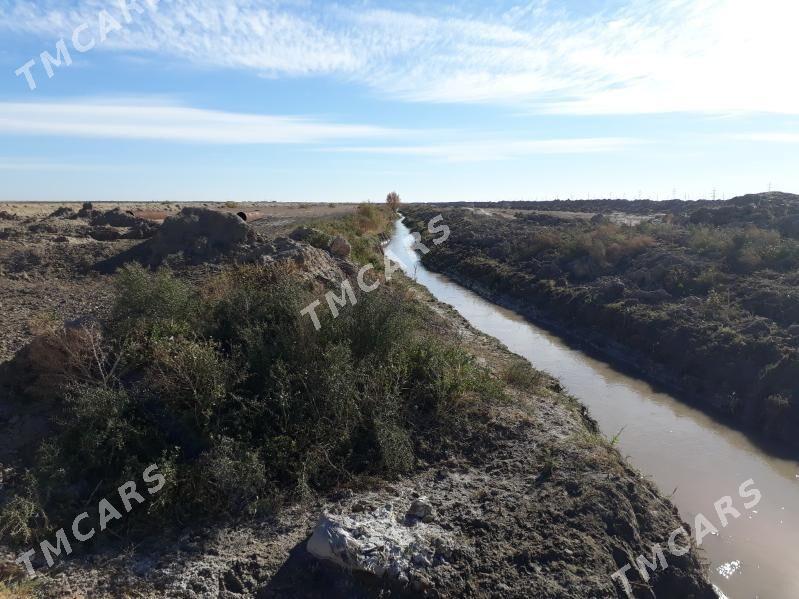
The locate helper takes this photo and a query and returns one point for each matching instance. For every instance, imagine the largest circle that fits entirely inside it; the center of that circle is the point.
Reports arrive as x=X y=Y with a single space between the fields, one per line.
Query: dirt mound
x=311 y=261
x=63 y=212
x=42 y=228
x=204 y=233
x=114 y=218
x=199 y=236
x=104 y=225
x=195 y=235
x=87 y=211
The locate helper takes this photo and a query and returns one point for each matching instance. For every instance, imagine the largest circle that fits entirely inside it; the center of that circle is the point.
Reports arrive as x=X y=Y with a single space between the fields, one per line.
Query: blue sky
x=318 y=101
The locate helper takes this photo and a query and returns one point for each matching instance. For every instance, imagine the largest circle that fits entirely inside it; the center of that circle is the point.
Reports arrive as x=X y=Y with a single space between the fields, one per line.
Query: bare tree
x=393 y=201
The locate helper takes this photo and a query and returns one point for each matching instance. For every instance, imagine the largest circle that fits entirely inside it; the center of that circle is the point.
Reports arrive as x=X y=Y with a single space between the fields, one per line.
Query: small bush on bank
x=148 y=305
x=22 y=518
x=708 y=240
x=360 y=230
x=746 y=249
x=371 y=218
x=243 y=404
x=606 y=245
x=319 y=240
x=521 y=374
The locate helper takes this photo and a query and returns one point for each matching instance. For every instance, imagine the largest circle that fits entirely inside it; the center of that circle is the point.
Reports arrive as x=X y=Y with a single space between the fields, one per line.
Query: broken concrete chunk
x=380 y=542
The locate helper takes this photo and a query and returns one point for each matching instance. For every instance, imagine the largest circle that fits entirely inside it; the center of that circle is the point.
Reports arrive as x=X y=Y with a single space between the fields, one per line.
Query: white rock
x=377 y=542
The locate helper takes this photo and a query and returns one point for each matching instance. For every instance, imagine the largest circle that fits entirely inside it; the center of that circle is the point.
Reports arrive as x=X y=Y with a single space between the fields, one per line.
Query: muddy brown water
x=688 y=455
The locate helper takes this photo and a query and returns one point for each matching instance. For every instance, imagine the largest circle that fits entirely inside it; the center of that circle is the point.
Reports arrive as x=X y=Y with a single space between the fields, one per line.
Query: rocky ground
x=547 y=509
x=48 y=254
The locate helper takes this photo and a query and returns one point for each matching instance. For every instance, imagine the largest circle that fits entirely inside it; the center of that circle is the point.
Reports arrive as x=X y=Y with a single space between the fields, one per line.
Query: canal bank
x=690 y=456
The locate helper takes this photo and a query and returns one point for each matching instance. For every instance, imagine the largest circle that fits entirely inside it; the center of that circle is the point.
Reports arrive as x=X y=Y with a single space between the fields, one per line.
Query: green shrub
x=371 y=218
x=229 y=477
x=521 y=374
x=319 y=239
x=709 y=240
x=361 y=230
x=445 y=377
x=242 y=403
x=395 y=447
x=706 y=280
x=192 y=377
x=24 y=517
x=106 y=418
x=153 y=305
x=745 y=249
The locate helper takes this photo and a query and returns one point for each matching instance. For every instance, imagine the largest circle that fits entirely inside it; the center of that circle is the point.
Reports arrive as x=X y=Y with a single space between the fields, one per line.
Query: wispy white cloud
x=645 y=56
x=769 y=137
x=497 y=149
x=16 y=164
x=145 y=121
x=649 y=56
x=241 y=33
x=160 y=119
